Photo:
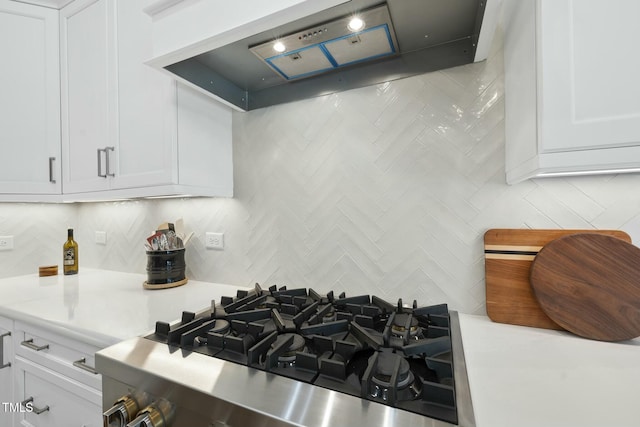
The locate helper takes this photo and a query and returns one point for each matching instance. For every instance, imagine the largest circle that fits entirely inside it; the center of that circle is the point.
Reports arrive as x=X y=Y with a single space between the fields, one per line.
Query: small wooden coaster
x=165 y=285
x=48 y=270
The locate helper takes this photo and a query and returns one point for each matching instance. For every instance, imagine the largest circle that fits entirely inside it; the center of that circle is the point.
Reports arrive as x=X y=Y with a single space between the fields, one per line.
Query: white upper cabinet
x=571 y=87
x=29 y=101
x=146 y=109
x=88 y=87
x=127 y=128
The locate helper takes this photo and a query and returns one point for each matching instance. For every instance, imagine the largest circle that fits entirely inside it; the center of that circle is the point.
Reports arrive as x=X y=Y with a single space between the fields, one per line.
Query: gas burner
x=386 y=367
x=220 y=326
x=399 y=326
x=288 y=357
x=329 y=316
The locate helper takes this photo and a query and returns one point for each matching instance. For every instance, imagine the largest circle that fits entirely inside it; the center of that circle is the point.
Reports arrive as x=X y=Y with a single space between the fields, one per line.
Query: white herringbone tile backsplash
x=38 y=231
x=383 y=190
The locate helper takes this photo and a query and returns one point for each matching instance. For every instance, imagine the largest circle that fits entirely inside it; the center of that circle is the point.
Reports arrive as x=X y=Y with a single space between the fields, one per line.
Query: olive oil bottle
x=70 y=254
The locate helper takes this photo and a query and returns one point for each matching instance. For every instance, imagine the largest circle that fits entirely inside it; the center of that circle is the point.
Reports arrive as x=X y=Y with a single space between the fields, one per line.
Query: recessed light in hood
x=279 y=47
x=355 y=24
x=322 y=56
x=330 y=45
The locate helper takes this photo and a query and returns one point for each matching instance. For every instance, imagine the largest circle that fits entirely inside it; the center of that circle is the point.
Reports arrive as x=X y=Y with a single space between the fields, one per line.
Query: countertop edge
x=78 y=334
x=13 y=309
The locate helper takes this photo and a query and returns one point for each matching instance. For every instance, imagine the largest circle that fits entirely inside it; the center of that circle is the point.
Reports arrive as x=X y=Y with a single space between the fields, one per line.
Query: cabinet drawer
x=56 y=401
x=61 y=354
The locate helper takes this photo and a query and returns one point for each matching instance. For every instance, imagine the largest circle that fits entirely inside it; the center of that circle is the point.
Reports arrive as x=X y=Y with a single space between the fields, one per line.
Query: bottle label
x=69 y=256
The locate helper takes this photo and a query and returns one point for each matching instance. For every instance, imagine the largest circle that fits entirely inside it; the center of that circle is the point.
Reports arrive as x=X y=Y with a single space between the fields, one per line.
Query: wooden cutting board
x=590 y=285
x=509 y=254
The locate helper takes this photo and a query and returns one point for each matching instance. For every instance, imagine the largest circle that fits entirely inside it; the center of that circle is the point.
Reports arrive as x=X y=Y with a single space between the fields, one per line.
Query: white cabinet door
x=29 y=100
x=590 y=91
x=57 y=401
x=146 y=116
x=6 y=370
x=205 y=156
x=88 y=93
x=121 y=118
x=572 y=97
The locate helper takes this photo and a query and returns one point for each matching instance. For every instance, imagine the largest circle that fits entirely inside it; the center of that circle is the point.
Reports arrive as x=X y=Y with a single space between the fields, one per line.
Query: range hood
x=329 y=46
x=324 y=52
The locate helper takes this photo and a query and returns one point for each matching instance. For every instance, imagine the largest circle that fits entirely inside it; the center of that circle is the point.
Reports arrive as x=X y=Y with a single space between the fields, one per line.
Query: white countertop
x=530 y=377
x=101 y=307
x=518 y=376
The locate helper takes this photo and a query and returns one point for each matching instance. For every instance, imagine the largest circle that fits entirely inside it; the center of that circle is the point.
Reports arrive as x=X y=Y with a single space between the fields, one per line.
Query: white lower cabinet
x=54 y=381
x=6 y=372
x=50 y=399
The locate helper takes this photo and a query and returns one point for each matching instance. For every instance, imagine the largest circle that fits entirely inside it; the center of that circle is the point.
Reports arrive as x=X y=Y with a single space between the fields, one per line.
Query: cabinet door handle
x=36 y=410
x=100 y=174
x=82 y=364
x=29 y=344
x=2 y=364
x=108 y=161
x=52 y=179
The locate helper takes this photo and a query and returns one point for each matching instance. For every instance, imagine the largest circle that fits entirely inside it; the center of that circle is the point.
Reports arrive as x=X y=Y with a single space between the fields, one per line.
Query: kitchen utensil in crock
x=165 y=269
x=590 y=285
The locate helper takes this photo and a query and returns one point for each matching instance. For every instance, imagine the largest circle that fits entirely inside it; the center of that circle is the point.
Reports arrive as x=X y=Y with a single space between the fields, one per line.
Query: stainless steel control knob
x=125 y=409
x=158 y=414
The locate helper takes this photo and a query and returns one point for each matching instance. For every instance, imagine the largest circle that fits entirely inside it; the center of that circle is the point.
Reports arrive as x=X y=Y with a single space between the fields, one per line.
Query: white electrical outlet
x=6 y=243
x=214 y=240
x=101 y=237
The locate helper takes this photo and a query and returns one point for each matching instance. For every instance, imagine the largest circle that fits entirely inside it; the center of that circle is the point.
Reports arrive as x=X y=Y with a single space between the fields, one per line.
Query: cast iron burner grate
x=363 y=346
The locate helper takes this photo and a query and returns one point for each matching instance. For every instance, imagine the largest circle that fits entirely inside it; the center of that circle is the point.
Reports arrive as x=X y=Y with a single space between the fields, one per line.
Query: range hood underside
x=432 y=35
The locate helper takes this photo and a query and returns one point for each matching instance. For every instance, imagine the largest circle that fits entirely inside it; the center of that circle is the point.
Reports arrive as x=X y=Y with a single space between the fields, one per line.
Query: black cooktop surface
x=363 y=346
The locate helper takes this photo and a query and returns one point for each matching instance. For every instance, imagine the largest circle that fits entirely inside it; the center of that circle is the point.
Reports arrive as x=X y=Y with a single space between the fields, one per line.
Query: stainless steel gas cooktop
x=292 y=357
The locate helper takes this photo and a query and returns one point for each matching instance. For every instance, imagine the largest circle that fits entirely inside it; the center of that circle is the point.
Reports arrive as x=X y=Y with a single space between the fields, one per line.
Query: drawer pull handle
x=2 y=364
x=36 y=410
x=82 y=364
x=29 y=344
